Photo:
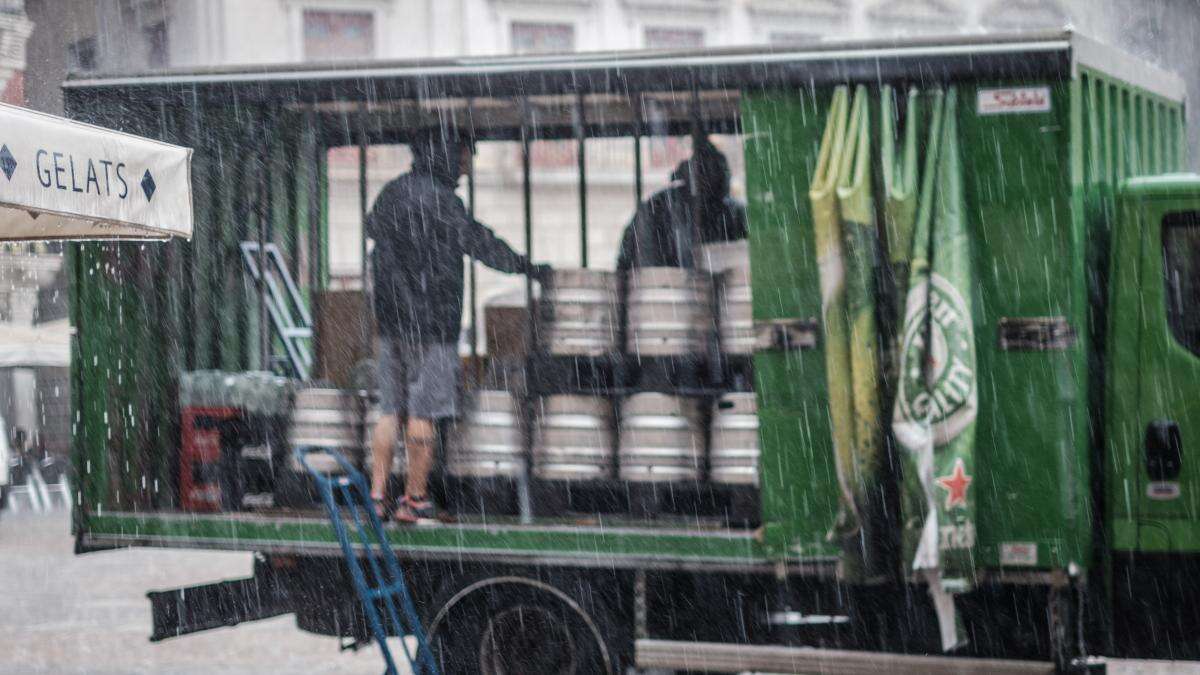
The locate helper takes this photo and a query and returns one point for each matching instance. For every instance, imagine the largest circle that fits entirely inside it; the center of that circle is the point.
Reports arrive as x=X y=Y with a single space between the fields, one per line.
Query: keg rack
x=613 y=374
x=698 y=377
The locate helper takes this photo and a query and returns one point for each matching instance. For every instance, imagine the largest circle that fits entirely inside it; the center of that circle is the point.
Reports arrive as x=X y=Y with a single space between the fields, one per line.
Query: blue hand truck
x=385 y=586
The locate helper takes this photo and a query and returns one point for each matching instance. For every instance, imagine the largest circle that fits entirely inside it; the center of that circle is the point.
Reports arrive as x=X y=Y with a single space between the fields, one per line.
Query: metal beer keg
x=324 y=418
x=733 y=448
x=573 y=439
x=661 y=439
x=487 y=442
x=668 y=311
x=578 y=313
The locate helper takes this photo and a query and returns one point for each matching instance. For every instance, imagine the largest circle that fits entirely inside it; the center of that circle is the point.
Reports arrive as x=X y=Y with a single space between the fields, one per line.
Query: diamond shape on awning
x=148 y=185
x=8 y=163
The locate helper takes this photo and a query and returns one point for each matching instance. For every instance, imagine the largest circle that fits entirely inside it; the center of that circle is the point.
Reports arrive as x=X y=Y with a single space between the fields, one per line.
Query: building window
x=81 y=55
x=333 y=36
x=674 y=38
x=157 y=55
x=542 y=38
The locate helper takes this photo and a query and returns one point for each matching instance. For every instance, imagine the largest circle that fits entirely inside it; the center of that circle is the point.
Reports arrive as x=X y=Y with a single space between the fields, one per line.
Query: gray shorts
x=418 y=380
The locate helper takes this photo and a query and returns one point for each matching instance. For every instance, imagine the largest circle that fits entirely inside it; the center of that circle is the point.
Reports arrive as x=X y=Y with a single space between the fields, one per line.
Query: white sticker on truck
x=1018 y=553
x=1015 y=100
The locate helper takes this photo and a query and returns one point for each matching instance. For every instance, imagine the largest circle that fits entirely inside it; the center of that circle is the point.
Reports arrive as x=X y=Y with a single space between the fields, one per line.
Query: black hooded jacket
x=663 y=232
x=422 y=231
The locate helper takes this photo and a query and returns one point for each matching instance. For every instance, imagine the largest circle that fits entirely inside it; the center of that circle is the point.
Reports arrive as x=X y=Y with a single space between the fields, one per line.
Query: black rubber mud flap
x=182 y=611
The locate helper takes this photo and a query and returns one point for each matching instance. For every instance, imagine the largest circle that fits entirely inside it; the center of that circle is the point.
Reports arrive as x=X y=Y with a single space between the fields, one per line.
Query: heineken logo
x=938 y=387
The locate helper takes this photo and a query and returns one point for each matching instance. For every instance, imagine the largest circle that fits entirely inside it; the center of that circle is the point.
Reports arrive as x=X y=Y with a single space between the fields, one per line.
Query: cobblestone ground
x=61 y=613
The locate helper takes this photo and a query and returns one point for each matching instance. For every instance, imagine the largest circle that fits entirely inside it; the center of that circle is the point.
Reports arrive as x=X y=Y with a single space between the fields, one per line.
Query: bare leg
x=419 y=439
x=383 y=444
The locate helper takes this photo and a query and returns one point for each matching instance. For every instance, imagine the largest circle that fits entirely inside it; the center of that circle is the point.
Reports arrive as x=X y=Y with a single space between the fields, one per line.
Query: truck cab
x=1153 y=491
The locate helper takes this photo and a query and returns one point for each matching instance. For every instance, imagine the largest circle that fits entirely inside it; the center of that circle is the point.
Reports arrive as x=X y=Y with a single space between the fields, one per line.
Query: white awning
x=61 y=179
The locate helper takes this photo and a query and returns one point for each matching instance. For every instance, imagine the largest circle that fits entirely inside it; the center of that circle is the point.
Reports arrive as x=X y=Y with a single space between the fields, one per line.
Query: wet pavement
x=62 y=613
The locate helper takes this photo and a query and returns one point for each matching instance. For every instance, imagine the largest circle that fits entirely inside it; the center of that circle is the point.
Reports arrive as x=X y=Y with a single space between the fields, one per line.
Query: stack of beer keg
x=660 y=433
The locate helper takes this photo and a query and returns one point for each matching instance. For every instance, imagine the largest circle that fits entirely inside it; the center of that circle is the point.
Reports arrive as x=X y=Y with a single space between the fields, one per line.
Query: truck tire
x=513 y=624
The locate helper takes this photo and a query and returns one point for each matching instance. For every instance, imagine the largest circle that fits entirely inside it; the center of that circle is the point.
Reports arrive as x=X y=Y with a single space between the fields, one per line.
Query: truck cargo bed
x=568 y=542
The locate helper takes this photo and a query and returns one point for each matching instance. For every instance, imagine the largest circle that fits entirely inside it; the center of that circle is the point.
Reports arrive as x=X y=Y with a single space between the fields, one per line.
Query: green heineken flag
x=844 y=228
x=937 y=397
x=899 y=183
x=827 y=232
x=857 y=205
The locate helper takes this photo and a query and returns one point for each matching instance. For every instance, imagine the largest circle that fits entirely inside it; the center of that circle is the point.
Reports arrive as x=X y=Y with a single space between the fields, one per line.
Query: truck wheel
x=510 y=625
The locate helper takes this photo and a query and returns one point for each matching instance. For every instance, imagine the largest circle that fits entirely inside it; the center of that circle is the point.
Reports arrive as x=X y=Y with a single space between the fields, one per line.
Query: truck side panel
x=1029 y=248
x=1031 y=441
x=799 y=489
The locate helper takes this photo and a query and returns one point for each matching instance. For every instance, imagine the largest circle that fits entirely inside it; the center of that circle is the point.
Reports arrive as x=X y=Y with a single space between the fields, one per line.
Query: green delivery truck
x=975 y=276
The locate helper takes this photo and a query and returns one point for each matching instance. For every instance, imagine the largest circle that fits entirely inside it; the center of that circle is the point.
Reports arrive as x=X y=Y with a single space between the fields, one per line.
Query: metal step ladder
x=286 y=306
x=347 y=500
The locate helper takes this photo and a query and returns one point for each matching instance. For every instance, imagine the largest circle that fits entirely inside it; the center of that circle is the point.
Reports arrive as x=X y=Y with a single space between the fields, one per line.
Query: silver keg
x=735 y=312
x=578 y=314
x=718 y=256
x=487 y=442
x=324 y=418
x=573 y=439
x=399 y=456
x=661 y=438
x=668 y=311
x=733 y=445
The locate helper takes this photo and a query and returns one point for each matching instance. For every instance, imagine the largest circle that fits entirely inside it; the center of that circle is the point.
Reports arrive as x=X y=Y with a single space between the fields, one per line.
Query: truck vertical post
x=364 y=208
x=312 y=191
x=472 y=270
x=524 y=499
x=638 y=131
x=264 y=234
x=579 y=119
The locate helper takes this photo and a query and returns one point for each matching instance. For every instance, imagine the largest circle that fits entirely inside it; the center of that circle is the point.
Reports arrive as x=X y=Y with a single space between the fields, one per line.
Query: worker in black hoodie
x=665 y=231
x=421 y=231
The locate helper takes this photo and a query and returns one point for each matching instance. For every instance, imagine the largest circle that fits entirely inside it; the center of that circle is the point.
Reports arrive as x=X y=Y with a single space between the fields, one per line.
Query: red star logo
x=956 y=485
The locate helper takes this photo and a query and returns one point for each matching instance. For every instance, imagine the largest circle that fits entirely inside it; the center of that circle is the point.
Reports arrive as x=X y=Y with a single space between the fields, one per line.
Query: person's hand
x=541 y=273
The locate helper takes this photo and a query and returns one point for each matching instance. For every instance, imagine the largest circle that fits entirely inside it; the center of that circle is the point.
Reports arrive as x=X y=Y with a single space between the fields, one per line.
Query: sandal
x=412 y=511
